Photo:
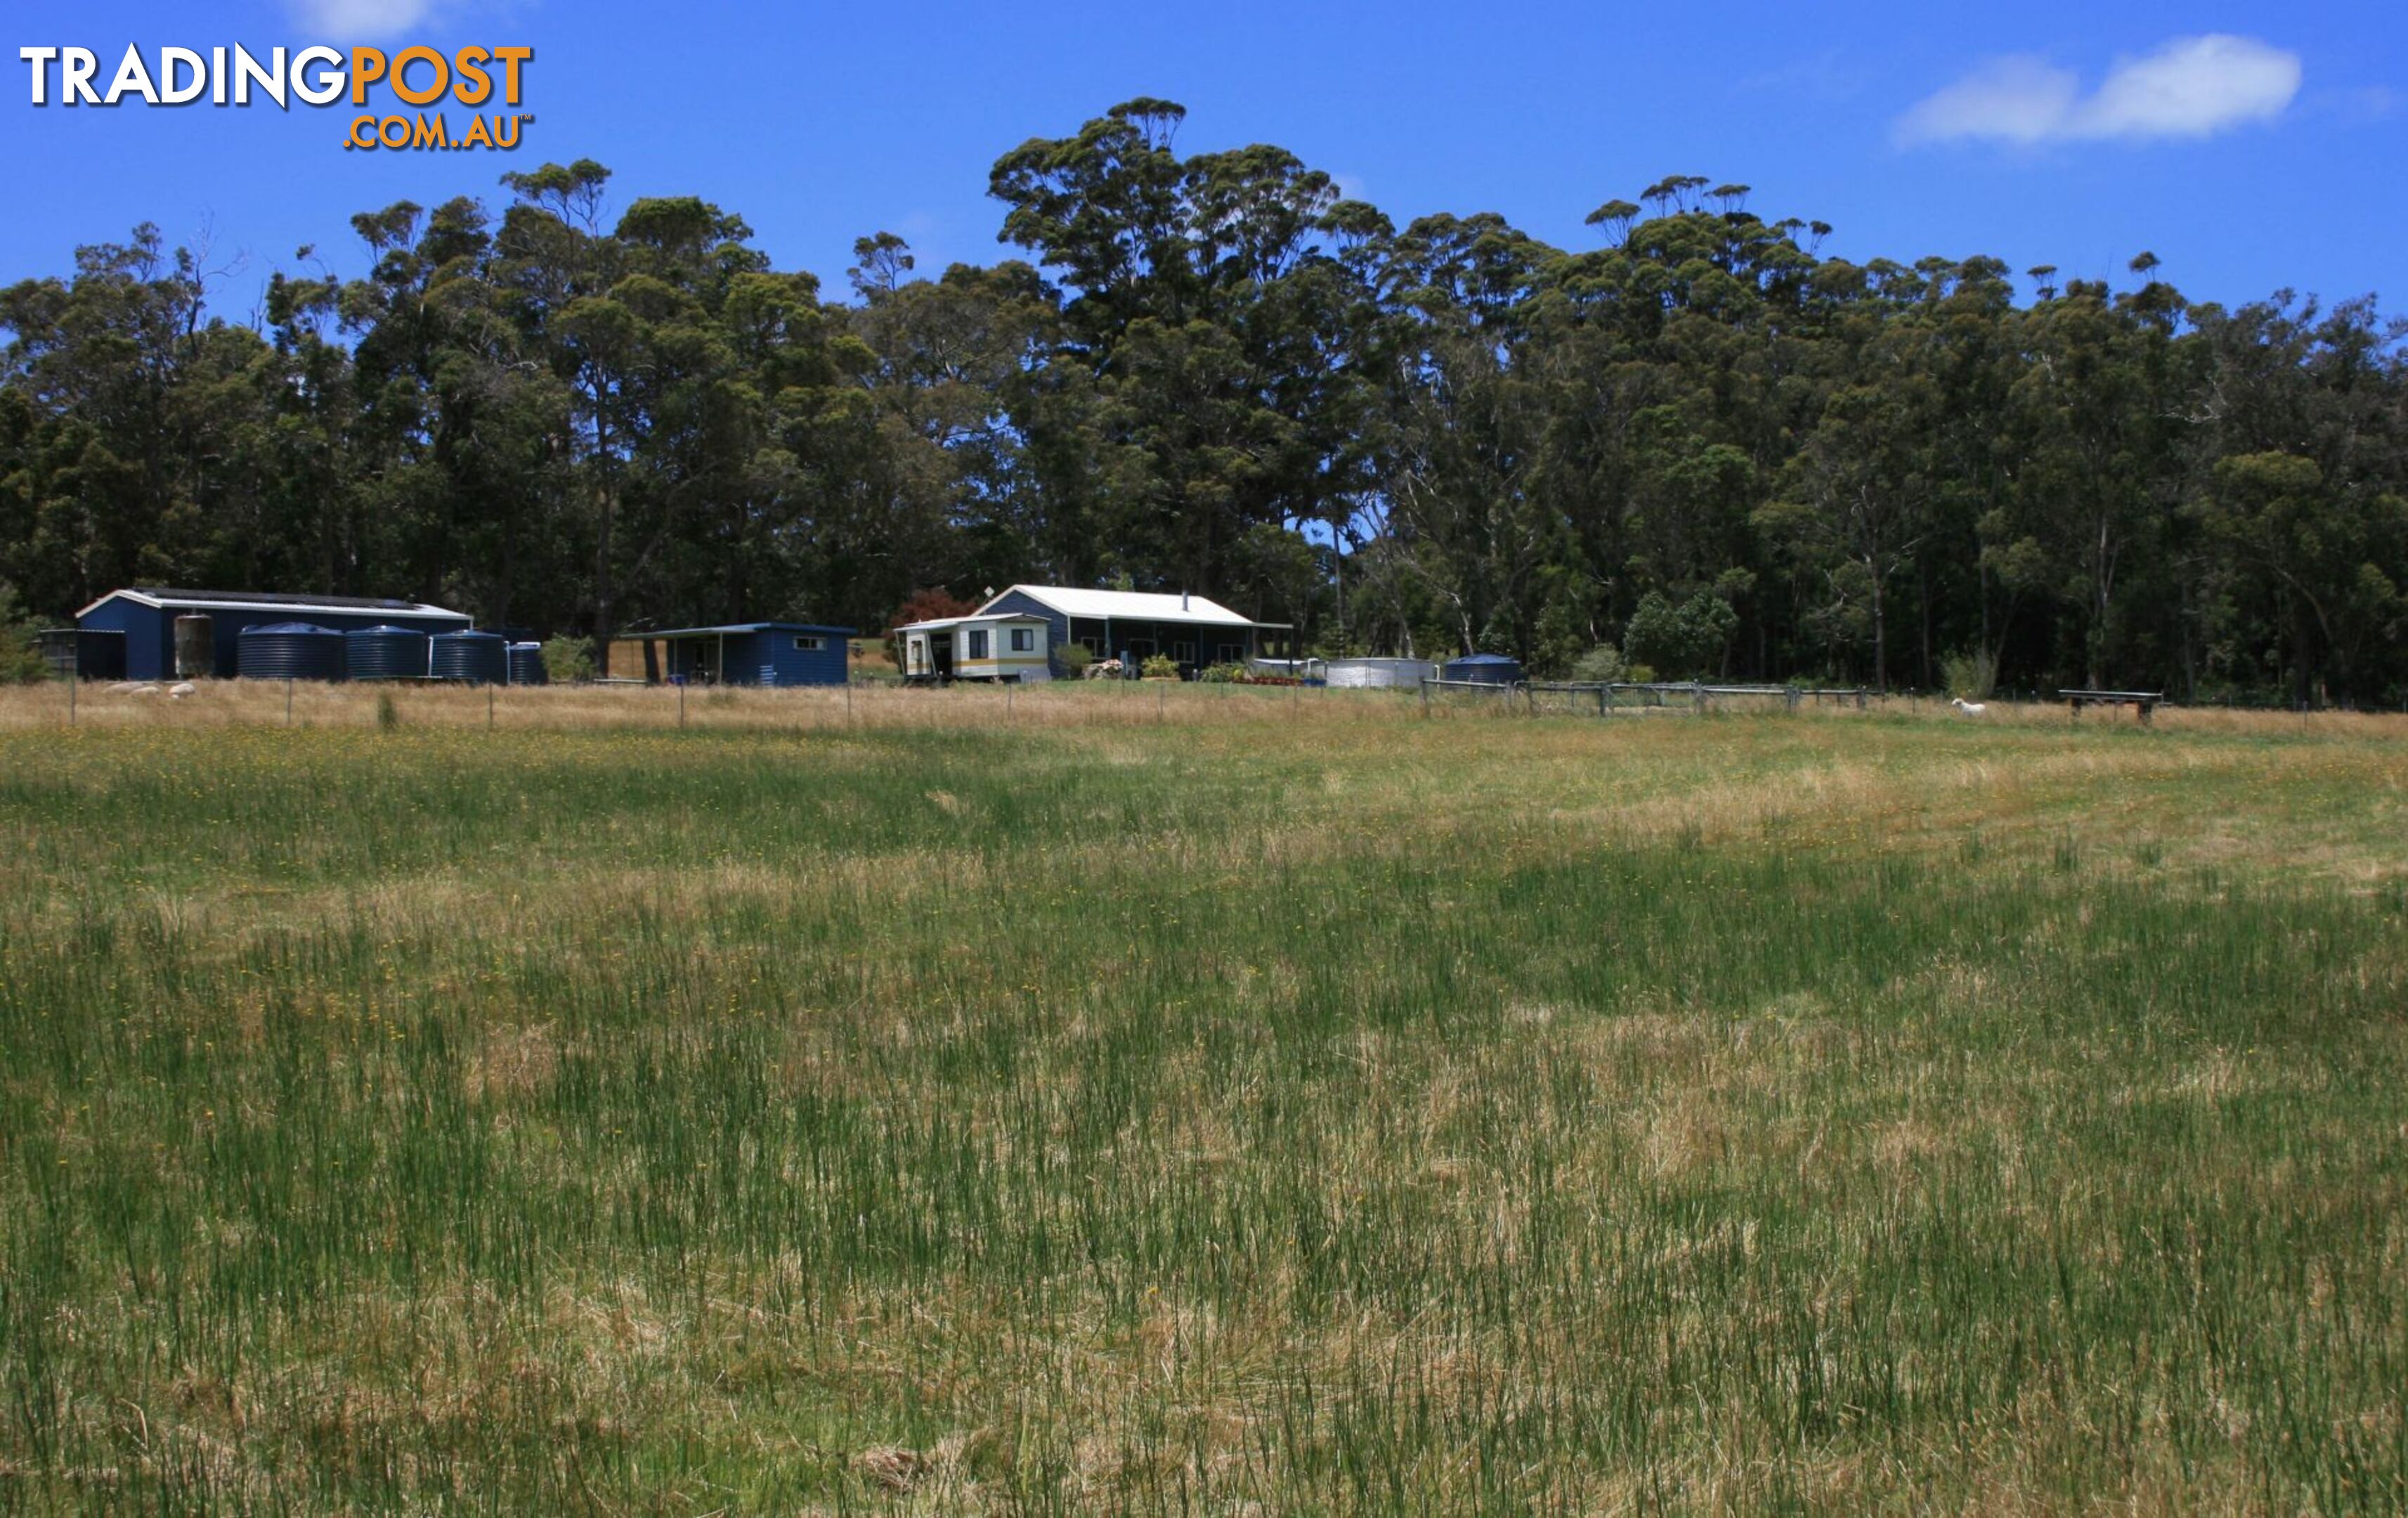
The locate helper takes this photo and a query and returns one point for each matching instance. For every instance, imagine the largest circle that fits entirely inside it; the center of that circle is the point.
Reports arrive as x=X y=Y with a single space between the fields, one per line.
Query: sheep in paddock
x=181 y=690
x=1971 y=708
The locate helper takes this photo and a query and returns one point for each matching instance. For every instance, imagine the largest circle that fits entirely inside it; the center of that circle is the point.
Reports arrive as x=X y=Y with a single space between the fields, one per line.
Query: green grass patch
x=1397 y=1116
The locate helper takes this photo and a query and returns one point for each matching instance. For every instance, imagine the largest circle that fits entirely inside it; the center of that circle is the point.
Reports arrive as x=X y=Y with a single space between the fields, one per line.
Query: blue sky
x=2250 y=146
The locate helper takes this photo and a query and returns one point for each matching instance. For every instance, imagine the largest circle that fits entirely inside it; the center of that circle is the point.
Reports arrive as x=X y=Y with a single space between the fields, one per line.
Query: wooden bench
x=2142 y=702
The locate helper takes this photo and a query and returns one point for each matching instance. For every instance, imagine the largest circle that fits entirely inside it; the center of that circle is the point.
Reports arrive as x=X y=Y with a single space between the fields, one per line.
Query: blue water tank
x=473 y=658
x=527 y=665
x=289 y=651
x=385 y=653
x=1485 y=669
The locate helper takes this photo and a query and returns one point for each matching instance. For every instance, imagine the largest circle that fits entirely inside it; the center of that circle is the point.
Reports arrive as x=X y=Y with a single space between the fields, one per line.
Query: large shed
x=144 y=617
x=752 y=653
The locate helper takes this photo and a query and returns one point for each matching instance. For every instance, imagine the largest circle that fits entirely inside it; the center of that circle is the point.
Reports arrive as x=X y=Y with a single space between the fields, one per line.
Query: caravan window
x=978 y=644
x=810 y=644
x=1024 y=639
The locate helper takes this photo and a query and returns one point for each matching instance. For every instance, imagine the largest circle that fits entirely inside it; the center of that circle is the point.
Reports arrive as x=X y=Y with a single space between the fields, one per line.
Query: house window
x=811 y=644
x=978 y=644
x=1024 y=639
x=1230 y=652
x=1183 y=652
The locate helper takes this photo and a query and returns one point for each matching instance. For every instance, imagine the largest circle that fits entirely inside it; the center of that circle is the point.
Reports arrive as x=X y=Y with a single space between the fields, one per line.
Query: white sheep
x=1971 y=708
x=181 y=690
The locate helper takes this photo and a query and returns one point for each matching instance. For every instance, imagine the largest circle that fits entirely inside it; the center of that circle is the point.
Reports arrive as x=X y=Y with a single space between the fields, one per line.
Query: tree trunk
x=1881 y=636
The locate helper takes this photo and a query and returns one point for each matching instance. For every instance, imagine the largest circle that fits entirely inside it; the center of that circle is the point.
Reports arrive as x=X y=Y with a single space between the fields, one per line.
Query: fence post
x=1698 y=694
x=681 y=706
x=1789 y=698
x=288 y=701
x=75 y=678
x=1424 y=685
x=489 y=707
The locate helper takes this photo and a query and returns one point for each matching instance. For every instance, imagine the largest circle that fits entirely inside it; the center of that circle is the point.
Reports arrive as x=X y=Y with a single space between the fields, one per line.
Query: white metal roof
x=939 y=624
x=299 y=603
x=1136 y=606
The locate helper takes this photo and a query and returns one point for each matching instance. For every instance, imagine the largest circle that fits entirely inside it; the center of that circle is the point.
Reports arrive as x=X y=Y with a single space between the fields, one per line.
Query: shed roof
x=161 y=598
x=1134 y=606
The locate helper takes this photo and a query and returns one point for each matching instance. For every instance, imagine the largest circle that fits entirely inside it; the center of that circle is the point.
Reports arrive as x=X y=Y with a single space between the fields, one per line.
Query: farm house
x=1130 y=625
x=138 y=633
x=748 y=653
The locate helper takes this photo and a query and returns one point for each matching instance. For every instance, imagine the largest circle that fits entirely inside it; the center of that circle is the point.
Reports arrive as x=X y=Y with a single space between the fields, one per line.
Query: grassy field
x=1195 y=1100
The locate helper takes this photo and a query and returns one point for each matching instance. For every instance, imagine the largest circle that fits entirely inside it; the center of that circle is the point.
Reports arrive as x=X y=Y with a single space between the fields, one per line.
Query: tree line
x=1700 y=441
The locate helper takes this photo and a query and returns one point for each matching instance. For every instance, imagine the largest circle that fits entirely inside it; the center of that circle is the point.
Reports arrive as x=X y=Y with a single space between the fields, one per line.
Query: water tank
x=196 y=647
x=1485 y=669
x=385 y=653
x=1380 y=674
x=475 y=658
x=289 y=651
x=527 y=665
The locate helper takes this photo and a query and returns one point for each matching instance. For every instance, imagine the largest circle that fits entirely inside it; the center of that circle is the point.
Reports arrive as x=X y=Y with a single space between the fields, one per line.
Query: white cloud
x=2190 y=87
x=355 y=21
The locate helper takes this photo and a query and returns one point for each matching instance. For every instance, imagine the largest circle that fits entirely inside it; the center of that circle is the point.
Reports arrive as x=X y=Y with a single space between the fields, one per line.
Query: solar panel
x=360 y=603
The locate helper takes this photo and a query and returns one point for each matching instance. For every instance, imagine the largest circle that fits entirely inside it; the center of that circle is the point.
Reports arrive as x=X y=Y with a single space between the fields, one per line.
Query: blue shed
x=753 y=653
x=146 y=617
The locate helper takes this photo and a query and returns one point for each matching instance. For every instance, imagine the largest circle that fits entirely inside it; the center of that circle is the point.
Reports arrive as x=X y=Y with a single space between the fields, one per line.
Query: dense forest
x=1699 y=440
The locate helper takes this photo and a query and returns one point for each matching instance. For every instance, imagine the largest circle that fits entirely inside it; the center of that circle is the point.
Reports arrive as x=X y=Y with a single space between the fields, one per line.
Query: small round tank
x=385 y=653
x=289 y=651
x=527 y=665
x=196 y=647
x=1485 y=669
x=471 y=658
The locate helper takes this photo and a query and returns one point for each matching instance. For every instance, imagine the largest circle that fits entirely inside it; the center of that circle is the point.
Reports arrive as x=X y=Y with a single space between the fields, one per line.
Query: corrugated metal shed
x=146 y=615
x=755 y=653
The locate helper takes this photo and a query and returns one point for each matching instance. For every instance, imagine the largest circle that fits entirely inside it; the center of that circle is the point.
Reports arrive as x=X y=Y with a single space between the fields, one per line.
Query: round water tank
x=1485 y=669
x=289 y=651
x=527 y=665
x=385 y=653
x=476 y=658
x=196 y=647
